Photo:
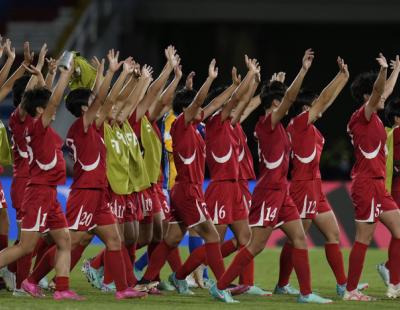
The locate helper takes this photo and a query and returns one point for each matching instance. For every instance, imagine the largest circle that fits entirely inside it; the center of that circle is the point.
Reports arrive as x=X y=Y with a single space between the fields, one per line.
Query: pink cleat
x=63 y=295
x=239 y=289
x=130 y=293
x=32 y=289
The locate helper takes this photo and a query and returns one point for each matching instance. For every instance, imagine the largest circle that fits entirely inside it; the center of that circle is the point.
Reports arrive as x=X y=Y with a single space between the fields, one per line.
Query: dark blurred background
x=275 y=32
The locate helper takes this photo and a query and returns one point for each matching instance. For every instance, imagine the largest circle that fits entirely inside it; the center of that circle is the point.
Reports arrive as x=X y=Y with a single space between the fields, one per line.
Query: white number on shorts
x=166 y=207
x=86 y=219
x=43 y=223
x=378 y=210
x=270 y=216
x=221 y=212
x=312 y=206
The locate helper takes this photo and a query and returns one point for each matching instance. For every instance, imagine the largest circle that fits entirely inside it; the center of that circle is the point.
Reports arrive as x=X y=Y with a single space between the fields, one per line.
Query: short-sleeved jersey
x=46 y=161
x=273 y=153
x=89 y=154
x=189 y=151
x=307 y=144
x=369 y=141
x=246 y=166
x=20 y=153
x=222 y=149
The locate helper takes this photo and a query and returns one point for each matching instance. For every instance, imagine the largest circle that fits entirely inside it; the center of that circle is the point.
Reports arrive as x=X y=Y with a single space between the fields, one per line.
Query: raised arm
x=99 y=65
x=293 y=90
x=10 y=51
x=330 y=92
x=56 y=96
x=376 y=98
x=51 y=72
x=39 y=66
x=392 y=80
x=192 y=110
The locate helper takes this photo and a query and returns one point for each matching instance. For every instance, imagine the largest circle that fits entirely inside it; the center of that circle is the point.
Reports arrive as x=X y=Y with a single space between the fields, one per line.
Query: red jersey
x=246 y=166
x=46 y=161
x=307 y=144
x=189 y=151
x=273 y=153
x=89 y=154
x=396 y=158
x=369 y=141
x=222 y=148
x=20 y=152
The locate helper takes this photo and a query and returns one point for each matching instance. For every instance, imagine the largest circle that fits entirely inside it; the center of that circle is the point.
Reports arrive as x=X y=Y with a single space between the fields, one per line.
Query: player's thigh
x=306 y=224
x=28 y=240
x=327 y=224
x=61 y=238
x=131 y=233
x=157 y=226
x=110 y=236
x=295 y=232
x=241 y=230
x=207 y=231
x=221 y=229
x=259 y=238
x=77 y=237
x=175 y=234
x=391 y=219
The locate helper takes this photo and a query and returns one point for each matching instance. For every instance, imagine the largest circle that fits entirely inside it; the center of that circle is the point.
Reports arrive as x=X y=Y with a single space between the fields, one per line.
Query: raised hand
x=395 y=64
x=1 y=46
x=212 y=70
x=28 y=55
x=178 y=71
x=129 y=65
x=236 y=79
x=170 y=54
x=52 y=65
x=308 y=59
x=42 y=55
x=136 y=71
x=33 y=70
x=280 y=77
x=147 y=71
x=342 y=66
x=97 y=63
x=254 y=66
x=189 y=80
x=112 y=57
x=382 y=61
x=10 y=51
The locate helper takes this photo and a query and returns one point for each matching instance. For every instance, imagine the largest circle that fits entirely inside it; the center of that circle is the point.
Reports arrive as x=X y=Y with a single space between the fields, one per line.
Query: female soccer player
x=272 y=205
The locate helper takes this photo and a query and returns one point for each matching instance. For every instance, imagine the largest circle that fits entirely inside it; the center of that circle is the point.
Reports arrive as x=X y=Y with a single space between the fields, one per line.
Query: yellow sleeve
x=167 y=131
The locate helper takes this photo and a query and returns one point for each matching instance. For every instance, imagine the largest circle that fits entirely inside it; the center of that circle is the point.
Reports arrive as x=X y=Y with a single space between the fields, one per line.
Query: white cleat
x=20 y=292
x=393 y=291
x=356 y=295
x=9 y=278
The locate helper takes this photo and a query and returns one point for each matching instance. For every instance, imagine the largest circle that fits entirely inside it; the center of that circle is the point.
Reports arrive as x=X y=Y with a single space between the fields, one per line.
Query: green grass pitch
x=266 y=273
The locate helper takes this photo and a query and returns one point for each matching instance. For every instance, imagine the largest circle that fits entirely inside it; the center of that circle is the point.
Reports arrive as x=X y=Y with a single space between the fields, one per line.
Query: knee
x=113 y=242
x=211 y=235
x=244 y=237
x=26 y=247
x=333 y=237
x=255 y=247
x=299 y=241
x=63 y=241
x=172 y=241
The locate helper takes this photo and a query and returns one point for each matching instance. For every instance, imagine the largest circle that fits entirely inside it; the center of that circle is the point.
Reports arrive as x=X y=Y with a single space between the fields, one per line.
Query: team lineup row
x=117 y=191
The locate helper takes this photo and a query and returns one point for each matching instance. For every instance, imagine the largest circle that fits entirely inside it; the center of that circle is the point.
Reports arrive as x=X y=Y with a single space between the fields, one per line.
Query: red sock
x=335 y=259
x=195 y=259
x=301 y=266
x=44 y=266
x=114 y=261
x=241 y=260
x=23 y=268
x=214 y=258
x=174 y=260
x=394 y=259
x=247 y=275
x=62 y=283
x=3 y=242
x=132 y=252
x=150 y=249
x=285 y=264
x=228 y=247
x=76 y=255
x=157 y=261
x=41 y=248
x=98 y=261
x=130 y=278
x=356 y=264
x=13 y=266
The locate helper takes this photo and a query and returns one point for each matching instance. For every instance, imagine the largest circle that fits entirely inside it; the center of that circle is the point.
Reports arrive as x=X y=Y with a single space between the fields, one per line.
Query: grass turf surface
x=266 y=274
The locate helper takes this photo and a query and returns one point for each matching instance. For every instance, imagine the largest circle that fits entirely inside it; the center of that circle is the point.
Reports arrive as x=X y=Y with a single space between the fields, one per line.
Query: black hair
x=305 y=98
x=270 y=92
x=35 y=98
x=183 y=98
x=19 y=88
x=363 y=85
x=76 y=99
x=392 y=109
x=214 y=93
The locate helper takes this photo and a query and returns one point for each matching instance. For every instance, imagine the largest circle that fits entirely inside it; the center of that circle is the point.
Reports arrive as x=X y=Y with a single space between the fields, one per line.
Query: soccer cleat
x=340 y=289
x=356 y=295
x=208 y=283
x=44 y=284
x=19 y=292
x=166 y=286
x=181 y=285
x=67 y=295
x=92 y=275
x=191 y=281
x=255 y=290
x=145 y=286
x=8 y=277
x=393 y=291
x=383 y=272
x=130 y=293
x=154 y=291
x=221 y=295
x=313 y=299
x=32 y=289
x=107 y=288
x=238 y=289
x=286 y=290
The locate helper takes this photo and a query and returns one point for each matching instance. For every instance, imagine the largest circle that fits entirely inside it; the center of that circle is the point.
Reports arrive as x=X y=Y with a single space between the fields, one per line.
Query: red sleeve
x=266 y=122
x=300 y=122
x=359 y=115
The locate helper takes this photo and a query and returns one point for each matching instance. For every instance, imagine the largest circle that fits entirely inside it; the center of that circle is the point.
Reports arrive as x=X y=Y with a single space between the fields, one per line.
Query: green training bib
x=152 y=150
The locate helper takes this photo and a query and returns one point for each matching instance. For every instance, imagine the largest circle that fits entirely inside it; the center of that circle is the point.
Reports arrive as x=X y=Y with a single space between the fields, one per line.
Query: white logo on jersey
x=370 y=155
x=189 y=160
x=21 y=153
x=223 y=159
x=90 y=167
x=241 y=155
x=274 y=164
x=309 y=159
x=48 y=166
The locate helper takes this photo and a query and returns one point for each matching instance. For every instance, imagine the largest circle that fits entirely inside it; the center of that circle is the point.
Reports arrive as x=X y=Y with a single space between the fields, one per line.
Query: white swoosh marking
x=50 y=165
x=189 y=160
x=274 y=164
x=21 y=153
x=370 y=155
x=92 y=166
x=241 y=155
x=309 y=159
x=223 y=159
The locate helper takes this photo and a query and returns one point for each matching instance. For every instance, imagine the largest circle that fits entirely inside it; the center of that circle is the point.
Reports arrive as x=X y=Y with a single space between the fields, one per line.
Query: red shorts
x=187 y=204
x=272 y=208
x=244 y=186
x=87 y=208
x=3 y=203
x=396 y=197
x=162 y=198
x=18 y=186
x=309 y=198
x=132 y=211
x=117 y=204
x=42 y=211
x=225 y=203
x=149 y=203
x=370 y=199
